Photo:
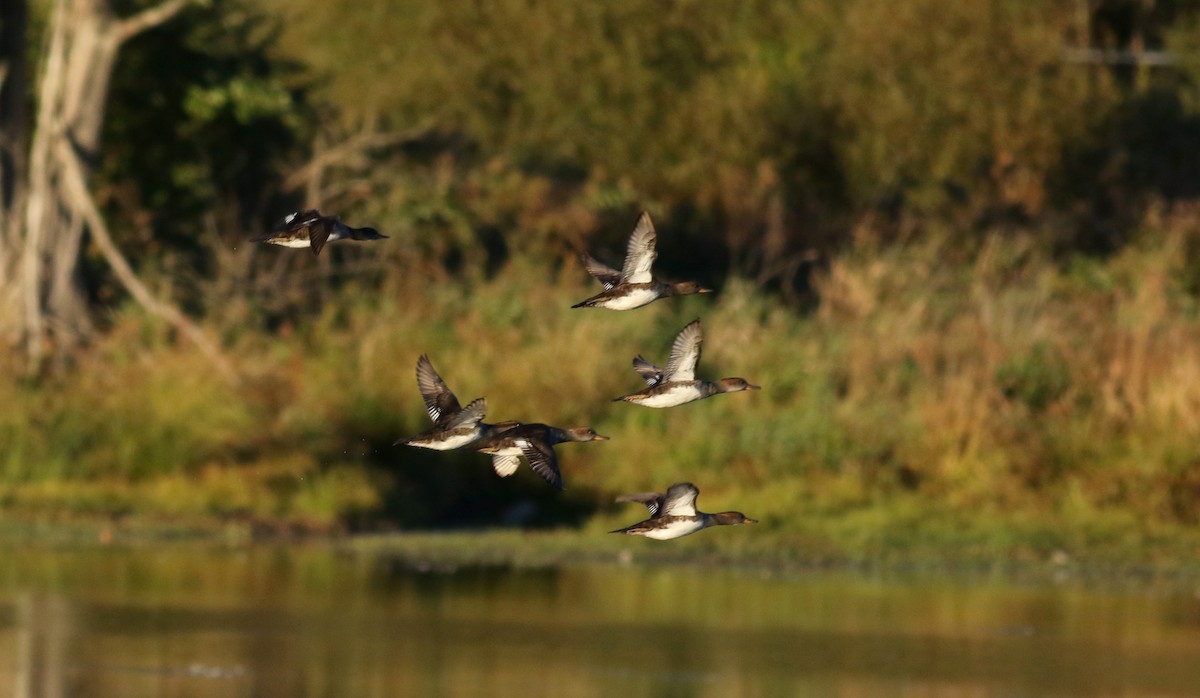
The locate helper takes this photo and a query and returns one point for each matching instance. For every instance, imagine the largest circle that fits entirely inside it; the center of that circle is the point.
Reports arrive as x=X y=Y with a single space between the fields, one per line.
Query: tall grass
x=996 y=398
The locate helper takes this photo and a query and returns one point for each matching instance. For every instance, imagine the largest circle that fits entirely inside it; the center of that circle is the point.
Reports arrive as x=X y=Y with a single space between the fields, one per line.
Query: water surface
x=317 y=620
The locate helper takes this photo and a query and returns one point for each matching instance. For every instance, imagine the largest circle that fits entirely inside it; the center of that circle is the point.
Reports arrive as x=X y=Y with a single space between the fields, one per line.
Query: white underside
x=671 y=398
x=631 y=300
x=675 y=529
x=447 y=444
x=295 y=242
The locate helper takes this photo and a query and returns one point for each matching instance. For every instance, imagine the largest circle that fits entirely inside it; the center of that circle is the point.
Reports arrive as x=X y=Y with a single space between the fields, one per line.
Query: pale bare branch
x=81 y=198
x=347 y=150
x=150 y=17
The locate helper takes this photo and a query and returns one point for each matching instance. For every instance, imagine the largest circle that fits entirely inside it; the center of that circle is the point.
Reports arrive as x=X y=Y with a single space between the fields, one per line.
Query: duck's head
x=687 y=288
x=366 y=234
x=585 y=434
x=732 y=518
x=736 y=385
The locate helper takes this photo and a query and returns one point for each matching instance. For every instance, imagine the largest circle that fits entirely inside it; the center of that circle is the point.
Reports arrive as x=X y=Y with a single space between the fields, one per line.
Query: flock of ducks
x=673 y=514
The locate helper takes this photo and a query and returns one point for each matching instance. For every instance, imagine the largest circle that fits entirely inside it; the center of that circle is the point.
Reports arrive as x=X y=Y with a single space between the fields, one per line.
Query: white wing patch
x=680 y=500
x=685 y=353
x=505 y=465
x=640 y=254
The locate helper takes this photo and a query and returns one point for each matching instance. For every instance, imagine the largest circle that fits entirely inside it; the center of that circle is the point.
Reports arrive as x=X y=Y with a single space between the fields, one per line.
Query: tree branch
x=348 y=149
x=149 y=18
x=81 y=199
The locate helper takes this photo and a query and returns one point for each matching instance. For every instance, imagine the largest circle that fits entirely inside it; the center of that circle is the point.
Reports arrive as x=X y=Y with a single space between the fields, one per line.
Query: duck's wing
x=295 y=220
x=543 y=461
x=505 y=465
x=607 y=276
x=640 y=254
x=468 y=416
x=649 y=372
x=319 y=230
x=685 y=353
x=680 y=500
x=652 y=500
x=440 y=402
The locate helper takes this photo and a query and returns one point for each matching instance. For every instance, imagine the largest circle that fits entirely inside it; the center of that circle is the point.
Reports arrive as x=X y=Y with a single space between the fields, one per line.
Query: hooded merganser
x=677 y=384
x=536 y=442
x=674 y=515
x=311 y=229
x=633 y=286
x=454 y=426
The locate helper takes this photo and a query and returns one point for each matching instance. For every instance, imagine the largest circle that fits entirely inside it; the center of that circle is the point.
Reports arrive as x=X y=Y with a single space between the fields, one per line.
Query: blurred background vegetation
x=957 y=243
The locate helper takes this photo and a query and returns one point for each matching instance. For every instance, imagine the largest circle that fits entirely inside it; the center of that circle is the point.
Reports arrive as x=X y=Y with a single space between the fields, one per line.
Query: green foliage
x=933 y=96
x=199 y=122
x=1037 y=378
x=807 y=111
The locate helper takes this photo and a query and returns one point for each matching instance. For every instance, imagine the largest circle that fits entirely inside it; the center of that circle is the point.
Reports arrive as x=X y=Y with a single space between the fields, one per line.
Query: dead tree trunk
x=80 y=54
x=14 y=135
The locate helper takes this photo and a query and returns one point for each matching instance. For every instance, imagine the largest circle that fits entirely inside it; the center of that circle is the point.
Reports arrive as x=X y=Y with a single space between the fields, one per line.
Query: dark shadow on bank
x=1144 y=153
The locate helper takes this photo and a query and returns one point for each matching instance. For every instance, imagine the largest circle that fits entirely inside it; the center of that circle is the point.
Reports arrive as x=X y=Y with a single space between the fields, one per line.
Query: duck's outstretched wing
x=680 y=500
x=640 y=254
x=649 y=372
x=685 y=353
x=605 y=274
x=296 y=220
x=318 y=233
x=440 y=402
x=652 y=500
x=469 y=415
x=543 y=461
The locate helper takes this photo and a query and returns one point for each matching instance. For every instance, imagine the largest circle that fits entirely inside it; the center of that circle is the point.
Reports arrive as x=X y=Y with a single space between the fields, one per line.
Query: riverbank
x=1167 y=558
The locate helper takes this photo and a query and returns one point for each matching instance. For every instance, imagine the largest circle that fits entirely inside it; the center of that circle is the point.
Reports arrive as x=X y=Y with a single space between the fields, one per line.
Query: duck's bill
x=751 y=386
x=599 y=437
x=750 y=521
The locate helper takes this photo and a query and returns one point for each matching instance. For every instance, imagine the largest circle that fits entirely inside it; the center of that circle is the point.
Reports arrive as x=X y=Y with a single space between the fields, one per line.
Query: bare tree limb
x=73 y=179
x=149 y=18
x=346 y=150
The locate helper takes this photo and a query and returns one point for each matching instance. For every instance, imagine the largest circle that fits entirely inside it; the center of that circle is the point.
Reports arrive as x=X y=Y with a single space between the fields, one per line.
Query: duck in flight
x=674 y=515
x=453 y=426
x=633 y=286
x=677 y=383
x=311 y=229
x=536 y=442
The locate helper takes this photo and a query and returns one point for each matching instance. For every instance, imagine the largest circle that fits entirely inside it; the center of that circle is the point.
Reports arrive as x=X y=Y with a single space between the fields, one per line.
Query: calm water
x=189 y=620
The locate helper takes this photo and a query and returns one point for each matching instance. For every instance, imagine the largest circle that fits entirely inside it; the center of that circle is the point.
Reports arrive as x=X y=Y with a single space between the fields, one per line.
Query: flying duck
x=311 y=229
x=674 y=515
x=633 y=286
x=677 y=384
x=453 y=426
x=534 y=441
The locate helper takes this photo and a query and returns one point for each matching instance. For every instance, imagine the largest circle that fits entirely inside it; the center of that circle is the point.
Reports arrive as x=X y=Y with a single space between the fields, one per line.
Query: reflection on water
x=312 y=621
